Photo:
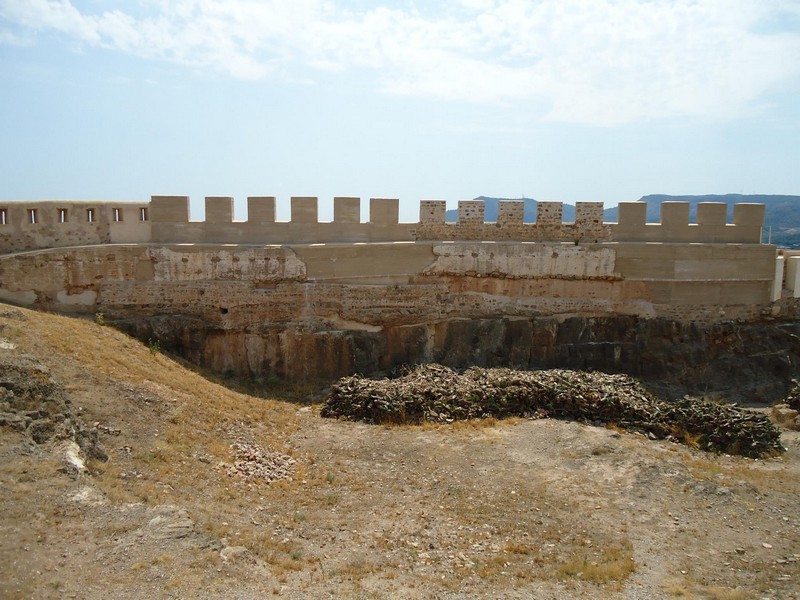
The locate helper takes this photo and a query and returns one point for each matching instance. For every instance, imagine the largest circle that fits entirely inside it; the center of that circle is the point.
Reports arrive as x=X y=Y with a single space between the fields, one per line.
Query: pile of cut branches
x=439 y=394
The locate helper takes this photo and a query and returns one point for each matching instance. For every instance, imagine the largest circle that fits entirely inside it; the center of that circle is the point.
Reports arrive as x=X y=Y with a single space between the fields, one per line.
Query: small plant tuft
x=154 y=346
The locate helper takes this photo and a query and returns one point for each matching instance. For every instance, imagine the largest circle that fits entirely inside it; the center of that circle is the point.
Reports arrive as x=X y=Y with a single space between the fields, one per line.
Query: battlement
x=61 y=223
x=589 y=226
x=166 y=219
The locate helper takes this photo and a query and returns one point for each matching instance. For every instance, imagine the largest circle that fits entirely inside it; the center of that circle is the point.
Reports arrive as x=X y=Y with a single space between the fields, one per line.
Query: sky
x=557 y=100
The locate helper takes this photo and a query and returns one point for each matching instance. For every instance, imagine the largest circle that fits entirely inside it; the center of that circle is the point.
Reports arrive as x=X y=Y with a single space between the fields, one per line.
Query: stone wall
x=55 y=224
x=165 y=220
x=338 y=308
x=304 y=297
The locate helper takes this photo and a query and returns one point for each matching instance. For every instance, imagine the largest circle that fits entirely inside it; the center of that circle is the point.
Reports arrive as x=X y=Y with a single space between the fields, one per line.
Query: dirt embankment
x=210 y=492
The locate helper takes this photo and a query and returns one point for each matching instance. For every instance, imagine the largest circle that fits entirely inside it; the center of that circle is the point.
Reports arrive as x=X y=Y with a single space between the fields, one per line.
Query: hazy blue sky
x=555 y=99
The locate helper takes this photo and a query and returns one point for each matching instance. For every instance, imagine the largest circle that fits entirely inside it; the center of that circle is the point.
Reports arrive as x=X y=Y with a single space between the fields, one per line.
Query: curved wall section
x=165 y=220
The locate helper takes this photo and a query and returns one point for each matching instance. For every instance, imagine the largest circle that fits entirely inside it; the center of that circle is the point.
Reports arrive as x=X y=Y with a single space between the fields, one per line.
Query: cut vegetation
x=439 y=394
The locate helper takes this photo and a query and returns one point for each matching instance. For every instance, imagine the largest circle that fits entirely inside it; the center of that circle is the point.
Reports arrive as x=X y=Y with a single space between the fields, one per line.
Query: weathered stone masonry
x=308 y=298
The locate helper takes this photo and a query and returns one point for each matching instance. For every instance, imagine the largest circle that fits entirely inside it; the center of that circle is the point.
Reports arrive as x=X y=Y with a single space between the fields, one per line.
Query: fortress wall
x=662 y=269
x=165 y=219
x=711 y=226
x=171 y=222
x=54 y=224
x=307 y=298
x=687 y=282
x=337 y=308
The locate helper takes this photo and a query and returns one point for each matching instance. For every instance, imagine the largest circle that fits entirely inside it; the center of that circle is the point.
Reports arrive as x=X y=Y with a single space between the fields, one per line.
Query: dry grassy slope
x=523 y=509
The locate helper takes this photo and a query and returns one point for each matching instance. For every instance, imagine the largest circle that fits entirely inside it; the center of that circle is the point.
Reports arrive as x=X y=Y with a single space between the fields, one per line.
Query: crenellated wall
x=306 y=297
x=165 y=219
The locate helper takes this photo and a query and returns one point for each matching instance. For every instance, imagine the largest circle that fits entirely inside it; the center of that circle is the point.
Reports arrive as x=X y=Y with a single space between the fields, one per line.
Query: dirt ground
x=514 y=509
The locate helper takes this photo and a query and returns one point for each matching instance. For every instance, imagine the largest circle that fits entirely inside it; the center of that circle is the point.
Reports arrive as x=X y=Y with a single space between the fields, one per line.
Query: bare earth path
x=519 y=509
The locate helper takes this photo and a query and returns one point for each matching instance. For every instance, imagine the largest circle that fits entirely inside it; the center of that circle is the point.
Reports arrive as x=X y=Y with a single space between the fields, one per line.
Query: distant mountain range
x=782 y=222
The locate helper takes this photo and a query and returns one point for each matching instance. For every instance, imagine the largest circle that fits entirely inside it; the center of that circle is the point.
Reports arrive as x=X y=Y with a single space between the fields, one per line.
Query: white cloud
x=592 y=61
x=12 y=39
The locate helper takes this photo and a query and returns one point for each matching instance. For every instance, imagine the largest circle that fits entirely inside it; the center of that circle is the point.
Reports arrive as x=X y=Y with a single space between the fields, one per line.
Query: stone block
x=384 y=211
x=549 y=214
x=261 y=209
x=346 y=210
x=748 y=215
x=304 y=209
x=712 y=214
x=471 y=211
x=674 y=215
x=432 y=212
x=632 y=216
x=219 y=209
x=511 y=213
x=169 y=209
x=589 y=214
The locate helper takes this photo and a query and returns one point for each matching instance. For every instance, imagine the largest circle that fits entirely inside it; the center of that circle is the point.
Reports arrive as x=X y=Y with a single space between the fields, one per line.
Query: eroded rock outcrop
x=34 y=403
x=743 y=362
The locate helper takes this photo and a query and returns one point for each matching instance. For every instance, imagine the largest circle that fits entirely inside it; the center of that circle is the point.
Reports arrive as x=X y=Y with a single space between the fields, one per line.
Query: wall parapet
x=62 y=223
x=166 y=219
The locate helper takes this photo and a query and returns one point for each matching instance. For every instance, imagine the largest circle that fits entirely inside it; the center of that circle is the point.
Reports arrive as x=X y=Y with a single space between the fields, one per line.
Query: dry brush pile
x=439 y=394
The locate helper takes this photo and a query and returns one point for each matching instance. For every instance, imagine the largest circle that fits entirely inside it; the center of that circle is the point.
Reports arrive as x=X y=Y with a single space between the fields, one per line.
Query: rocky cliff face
x=743 y=362
x=686 y=318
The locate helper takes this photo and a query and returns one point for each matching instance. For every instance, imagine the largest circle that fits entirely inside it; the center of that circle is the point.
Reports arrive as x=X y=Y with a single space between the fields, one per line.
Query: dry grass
x=610 y=564
x=733 y=468
x=682 y=588
x=199 y=417
x=717 y=592
x=360 y=496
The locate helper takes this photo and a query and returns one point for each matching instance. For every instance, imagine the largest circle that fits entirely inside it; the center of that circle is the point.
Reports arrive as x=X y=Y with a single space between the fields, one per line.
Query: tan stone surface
x=168 y=222
x=261 y=209
x=219 y=209
x=524 y=260
x=433 y=280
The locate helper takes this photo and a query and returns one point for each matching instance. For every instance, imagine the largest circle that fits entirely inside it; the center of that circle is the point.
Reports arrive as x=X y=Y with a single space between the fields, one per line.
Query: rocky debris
x=138 y=395
x=793 y=398
x=253 y=462
x=34 y=403
x=88 y=496
x=170 y=523
x=8 y=312
x=785 y=416
x=73 y=462
x=440 y=394
x=233 y=553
